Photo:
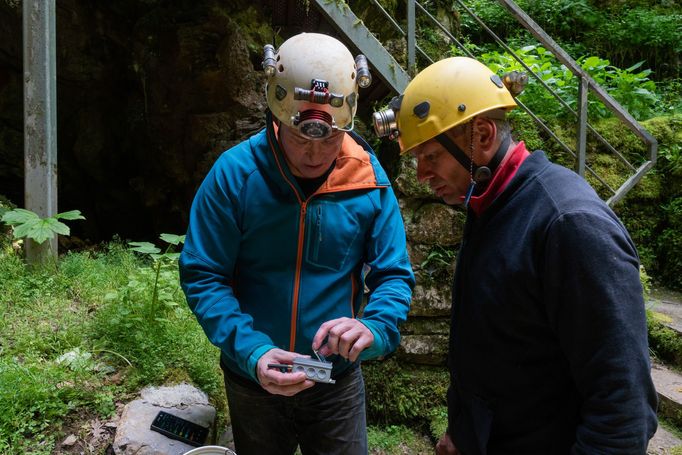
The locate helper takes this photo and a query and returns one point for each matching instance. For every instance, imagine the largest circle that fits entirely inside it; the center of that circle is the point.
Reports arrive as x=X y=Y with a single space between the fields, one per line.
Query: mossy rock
x=436 y=224
x=402 y=394
x=374 y=20
x=525 y=129
x=425 y=326
x=253 y=29
x=407 y=183
x=665 y=342
x=666 y=130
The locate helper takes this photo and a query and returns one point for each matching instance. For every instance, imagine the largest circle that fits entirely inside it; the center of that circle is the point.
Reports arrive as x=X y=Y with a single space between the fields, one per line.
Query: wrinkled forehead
x=425 y=148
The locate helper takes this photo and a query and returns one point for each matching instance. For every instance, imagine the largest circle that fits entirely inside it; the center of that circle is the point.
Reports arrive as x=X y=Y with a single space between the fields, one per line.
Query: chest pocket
x=332 y=235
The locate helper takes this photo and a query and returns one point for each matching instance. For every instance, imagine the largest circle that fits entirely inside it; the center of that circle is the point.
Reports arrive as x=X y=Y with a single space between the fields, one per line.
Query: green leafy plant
x=670 y=244
x=160 y=265
x=439 y=259
x=60 y=338
x=631 y=87
x=672 y=156
x=27 y=224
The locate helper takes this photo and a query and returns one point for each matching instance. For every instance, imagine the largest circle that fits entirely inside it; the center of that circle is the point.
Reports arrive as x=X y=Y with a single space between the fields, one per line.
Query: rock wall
x=434 y=231
x=150 y=92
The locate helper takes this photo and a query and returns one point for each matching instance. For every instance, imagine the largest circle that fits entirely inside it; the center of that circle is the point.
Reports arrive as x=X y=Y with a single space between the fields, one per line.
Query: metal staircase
x=396 y=77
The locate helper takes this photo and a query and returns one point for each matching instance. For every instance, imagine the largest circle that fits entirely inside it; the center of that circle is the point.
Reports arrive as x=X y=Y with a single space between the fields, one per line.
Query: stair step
x=668 y=384
x=671 y=309
x=662 y=442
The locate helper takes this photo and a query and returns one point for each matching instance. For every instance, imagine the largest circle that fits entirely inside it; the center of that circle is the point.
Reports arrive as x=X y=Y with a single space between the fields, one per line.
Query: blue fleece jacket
x=264 y=267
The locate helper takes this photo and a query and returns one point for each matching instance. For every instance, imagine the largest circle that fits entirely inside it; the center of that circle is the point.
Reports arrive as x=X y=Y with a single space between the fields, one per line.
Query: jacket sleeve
x=207 y=266
x=390 y=278
x=595 y=304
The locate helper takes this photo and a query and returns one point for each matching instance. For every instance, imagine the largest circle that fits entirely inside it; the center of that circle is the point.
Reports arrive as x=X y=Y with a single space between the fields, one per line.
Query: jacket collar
x=507 y=169
x=354 y=169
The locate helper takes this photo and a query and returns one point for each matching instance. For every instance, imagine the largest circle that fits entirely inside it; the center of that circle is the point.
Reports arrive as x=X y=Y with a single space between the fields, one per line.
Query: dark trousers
x=326 y=419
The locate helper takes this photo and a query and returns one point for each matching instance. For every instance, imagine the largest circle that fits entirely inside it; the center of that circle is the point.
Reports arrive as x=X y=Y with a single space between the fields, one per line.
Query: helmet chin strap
x=480 y=175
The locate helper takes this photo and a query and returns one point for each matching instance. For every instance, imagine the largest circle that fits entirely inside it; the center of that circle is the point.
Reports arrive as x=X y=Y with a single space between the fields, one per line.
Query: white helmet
x=313 y=83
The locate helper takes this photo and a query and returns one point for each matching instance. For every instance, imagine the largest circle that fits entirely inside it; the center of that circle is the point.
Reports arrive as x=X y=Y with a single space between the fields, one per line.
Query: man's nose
x=424 y=173
x=315 y=148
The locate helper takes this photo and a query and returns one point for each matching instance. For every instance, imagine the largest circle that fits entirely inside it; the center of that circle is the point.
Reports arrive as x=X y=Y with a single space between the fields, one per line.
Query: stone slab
x=133 y=435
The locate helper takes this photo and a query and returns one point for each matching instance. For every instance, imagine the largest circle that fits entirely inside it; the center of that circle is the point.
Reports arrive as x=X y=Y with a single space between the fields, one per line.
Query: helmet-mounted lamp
x=362 y=70
x=269 y=61
x=515 y=81
x=386 y=121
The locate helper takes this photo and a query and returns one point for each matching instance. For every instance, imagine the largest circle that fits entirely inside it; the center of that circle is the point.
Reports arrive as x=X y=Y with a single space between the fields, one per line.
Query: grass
x=72 y=342
x=397 y=440
x=78 y=341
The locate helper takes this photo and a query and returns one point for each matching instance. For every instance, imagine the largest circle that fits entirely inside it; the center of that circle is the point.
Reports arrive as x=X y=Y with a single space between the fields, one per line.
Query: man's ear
x=486 y=132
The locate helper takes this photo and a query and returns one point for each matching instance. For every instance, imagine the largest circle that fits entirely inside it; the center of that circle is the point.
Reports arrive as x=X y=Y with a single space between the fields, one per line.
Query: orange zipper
x=352 y=294
x=297 y=278
x=299 y=252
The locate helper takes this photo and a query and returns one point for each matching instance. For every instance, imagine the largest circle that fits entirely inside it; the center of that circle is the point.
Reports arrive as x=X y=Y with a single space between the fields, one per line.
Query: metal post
x=411 y=38
x=583 y=89
x=40 y=118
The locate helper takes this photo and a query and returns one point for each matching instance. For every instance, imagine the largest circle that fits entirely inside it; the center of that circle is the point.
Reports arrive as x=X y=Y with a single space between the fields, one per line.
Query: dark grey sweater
x=548 y=341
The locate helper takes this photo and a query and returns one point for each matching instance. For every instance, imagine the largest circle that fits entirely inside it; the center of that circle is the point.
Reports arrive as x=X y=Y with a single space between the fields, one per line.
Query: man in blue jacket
x=285 y=232
x=548 y=342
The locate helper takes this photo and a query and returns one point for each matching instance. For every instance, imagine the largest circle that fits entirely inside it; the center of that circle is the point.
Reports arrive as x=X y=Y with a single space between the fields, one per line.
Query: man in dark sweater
x=548 y=345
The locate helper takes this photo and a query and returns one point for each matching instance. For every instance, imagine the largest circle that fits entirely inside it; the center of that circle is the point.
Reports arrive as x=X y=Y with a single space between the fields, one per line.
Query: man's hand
x=346 y=337
x=279 y=383
x=445 y=446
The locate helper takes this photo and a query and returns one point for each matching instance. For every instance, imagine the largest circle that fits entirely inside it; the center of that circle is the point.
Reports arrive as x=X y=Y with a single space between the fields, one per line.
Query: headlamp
x=515 y=81
x=362 y=70
x=314 y=124
x=385 y=121
x=269 y=62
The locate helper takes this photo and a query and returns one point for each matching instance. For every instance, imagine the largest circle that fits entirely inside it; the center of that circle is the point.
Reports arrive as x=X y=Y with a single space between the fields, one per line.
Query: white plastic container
x=211 y=450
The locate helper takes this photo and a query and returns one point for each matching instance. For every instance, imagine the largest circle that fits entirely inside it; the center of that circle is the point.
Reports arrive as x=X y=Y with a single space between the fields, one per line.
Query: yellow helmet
x=448 y=93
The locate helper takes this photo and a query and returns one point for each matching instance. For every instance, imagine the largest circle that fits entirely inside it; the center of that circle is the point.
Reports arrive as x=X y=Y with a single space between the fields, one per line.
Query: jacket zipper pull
x=319 y=223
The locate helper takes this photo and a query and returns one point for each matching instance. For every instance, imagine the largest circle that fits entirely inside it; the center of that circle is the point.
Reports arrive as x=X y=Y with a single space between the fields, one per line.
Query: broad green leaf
x=22 y=230
x=591 y=62
x=144 y=247
x=70 y=215
x=40 y=232
x=19 y=216
x=172 y=238
x=635 y=66
x=57 y=226
x=172 y=256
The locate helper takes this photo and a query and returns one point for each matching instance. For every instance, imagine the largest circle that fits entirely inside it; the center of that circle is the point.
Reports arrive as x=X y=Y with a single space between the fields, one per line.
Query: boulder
x=430 y=300
x=436 y=224
x=424 y=349
x=133 y=435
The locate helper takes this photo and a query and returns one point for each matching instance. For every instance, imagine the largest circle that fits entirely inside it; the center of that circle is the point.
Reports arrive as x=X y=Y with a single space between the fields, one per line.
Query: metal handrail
x=544 y=84
x=352 y=27
x=588 y=83
x=585 y=84
x=399 y=28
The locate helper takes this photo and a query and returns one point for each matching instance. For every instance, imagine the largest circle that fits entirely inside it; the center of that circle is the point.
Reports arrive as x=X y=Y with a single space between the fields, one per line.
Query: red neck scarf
x=505 y=172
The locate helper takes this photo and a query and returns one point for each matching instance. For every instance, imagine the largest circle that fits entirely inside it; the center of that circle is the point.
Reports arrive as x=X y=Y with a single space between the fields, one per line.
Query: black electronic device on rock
x=178 y=428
